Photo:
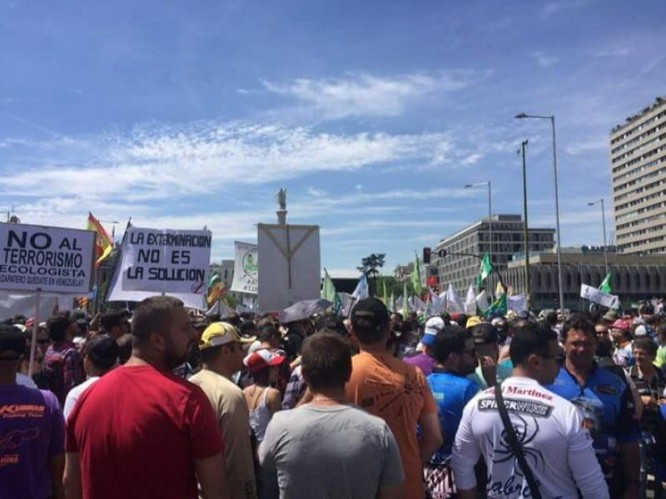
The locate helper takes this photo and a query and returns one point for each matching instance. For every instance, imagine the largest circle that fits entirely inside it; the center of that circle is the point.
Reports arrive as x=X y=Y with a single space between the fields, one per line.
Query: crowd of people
x=162 y=402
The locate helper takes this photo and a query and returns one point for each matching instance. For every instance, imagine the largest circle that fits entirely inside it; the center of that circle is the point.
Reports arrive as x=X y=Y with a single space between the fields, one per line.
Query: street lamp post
x=557 y=202
x=490 y=214
x=526 y=233
x=603 y=225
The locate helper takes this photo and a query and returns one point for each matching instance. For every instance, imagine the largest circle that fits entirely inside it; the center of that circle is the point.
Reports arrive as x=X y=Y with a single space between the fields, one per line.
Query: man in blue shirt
x=607 y=406
x=454 y=352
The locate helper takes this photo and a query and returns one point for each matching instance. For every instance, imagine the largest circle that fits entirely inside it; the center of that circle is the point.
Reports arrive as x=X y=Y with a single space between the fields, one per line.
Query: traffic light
x=426 y=255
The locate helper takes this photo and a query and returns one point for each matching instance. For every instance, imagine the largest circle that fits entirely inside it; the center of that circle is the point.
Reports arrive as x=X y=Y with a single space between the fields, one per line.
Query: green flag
x=416 y=277
x=485 y=270
x=606 y=284
x=385 y=296
x=328 y=292
x=499 y=306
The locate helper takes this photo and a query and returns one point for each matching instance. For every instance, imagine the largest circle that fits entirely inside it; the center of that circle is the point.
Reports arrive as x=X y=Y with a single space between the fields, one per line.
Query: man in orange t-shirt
x=394 y=391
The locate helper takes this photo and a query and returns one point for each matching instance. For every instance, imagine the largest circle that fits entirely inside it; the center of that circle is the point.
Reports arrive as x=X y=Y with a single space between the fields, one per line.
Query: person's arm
x=57 y=470
x=212 y=477
x=72 y=477
x=431 y=439
x=631 y=462
x=397 y=492
x=392 y=478
x=464 y=456
x=582 y=460
x=273 y=400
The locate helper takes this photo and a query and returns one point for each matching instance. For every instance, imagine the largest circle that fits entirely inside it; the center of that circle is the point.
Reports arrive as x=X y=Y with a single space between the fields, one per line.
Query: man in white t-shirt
x=549 y=428
x=100 y=355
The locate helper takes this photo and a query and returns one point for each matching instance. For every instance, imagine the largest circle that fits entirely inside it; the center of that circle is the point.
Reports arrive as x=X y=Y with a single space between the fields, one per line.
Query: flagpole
x=35 y=325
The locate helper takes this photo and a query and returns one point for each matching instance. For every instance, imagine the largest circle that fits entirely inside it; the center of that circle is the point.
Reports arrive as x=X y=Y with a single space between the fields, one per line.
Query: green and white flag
x=416 y=277
x=405 y=301
x=485 y=270
x=328 y=292
x=606 y=284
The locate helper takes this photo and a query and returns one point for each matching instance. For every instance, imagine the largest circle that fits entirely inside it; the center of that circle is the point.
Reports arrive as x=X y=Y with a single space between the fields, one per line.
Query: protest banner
x=290 y=269
x=246 y=268
x=49 y=259
x=596 y=296
x=153 y=261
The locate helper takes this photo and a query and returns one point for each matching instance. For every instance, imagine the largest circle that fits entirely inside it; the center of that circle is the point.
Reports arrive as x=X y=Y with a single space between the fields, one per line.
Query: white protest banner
x=517 y=303
x=595 y=296
x=49 y=259
x=173 y=262
x=246 y=268
x=291 y=265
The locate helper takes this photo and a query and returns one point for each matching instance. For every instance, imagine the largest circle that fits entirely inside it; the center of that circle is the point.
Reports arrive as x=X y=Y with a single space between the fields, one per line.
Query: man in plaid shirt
x=63 y=366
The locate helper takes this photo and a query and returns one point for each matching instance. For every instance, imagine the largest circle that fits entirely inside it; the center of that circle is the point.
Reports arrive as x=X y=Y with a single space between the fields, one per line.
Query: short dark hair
x=450 y=340
x=579 y=321
x=332 y=324
x=326 y=361
x=645 y=343
x=247 y=328
x=112 y=319
x=530 y=339
x=102 y=350
x=153 y=315
x=58 y=325
x=209 y=354
x=484 y=334
x=124 y=348
x=268 y=332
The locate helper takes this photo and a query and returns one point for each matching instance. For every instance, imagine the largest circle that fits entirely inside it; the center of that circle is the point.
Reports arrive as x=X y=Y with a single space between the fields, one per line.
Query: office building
x=638 y=162
x=461 y=264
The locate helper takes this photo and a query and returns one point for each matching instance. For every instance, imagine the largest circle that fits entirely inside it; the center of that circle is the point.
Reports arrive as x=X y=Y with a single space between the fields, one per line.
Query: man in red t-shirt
x=142 y=432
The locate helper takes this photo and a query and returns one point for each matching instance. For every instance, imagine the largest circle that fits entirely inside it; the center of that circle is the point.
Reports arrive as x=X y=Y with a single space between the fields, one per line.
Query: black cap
x=370 y=314
x=102 y=350
x=11 y=340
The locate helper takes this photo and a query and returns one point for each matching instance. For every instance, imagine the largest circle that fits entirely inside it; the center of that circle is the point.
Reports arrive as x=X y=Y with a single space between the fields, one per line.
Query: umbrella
x=303 y=310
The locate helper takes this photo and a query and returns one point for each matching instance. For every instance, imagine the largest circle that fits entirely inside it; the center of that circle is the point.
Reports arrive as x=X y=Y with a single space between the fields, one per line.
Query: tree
x=370 y=266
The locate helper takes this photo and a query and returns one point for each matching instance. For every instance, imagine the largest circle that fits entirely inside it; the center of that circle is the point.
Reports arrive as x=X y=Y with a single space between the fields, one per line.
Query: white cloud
x=543 y=60
x=159 y=163
x=368 y=95
x=588 y=145
x=561 y=5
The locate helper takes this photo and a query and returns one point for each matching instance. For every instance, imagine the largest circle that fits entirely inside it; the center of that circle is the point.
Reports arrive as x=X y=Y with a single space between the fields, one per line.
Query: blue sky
x=372 y=114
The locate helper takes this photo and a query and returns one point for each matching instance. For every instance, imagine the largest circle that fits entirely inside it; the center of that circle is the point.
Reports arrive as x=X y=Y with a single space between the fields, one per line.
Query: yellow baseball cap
x=218 y=334
x=473 y=321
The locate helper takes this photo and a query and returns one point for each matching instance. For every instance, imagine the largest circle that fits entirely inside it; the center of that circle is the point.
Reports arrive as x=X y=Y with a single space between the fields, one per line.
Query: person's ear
x=157 y=341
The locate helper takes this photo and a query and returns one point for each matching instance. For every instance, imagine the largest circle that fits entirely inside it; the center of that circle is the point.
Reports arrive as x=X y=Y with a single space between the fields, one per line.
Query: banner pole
x=35 y=325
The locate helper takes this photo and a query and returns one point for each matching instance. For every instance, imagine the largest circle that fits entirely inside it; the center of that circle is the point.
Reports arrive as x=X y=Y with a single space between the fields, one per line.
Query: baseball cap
x=433 y=326
x=369 y=313
x=610 y=316
x=11 y=340
x=263 y=358
x=473 y=321
x=218 y=334
x=640 y=330
x=623 y=324
x=103 y=351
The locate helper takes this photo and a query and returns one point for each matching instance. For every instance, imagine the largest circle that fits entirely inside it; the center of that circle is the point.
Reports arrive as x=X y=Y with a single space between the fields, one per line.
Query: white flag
x=437 y=304
x=453 y=303
x=361 y=290
x=470 y=301
x=482 y=301
x=517 y=303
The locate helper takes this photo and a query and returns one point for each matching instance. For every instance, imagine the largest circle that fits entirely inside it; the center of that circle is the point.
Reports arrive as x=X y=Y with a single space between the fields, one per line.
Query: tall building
x=460 y=267
x=638 y=161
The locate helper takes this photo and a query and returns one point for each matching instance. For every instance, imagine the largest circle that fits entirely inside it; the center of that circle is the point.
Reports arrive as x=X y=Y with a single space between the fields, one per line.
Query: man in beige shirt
x=222 y=354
